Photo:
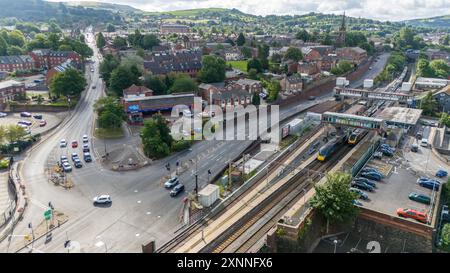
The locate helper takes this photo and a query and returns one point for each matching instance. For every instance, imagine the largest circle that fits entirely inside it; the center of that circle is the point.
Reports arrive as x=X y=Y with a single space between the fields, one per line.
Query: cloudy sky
x=392 y=10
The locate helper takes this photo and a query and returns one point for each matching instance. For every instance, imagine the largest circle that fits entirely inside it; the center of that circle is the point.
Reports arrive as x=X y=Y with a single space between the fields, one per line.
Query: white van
x=187 y=113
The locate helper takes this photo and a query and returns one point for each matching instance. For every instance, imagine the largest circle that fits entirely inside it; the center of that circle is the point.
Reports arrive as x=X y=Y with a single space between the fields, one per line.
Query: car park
x=102 y=199
x=87 y=157
x=367 y=181
x=77 y=163
x=85 y=139
x=171 y=182
x=362 y=195
x=86 y=148
x=25 y=115
x=362 y=186
x=62 y=143
x=421 y=198
x=66 y=167
x=74 y=144
x=441 y=173
x=177 y=190
x=413 y=214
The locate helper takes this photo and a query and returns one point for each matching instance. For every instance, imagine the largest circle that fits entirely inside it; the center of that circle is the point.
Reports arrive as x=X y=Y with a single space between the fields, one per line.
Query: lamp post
x=335 y=245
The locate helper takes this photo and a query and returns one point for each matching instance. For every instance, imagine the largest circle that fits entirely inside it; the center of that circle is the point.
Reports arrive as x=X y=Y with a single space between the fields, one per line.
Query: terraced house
x=17 y=62
x=187 y=61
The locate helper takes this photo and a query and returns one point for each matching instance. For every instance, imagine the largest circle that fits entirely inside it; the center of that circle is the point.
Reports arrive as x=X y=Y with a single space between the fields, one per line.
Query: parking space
x=51 y=120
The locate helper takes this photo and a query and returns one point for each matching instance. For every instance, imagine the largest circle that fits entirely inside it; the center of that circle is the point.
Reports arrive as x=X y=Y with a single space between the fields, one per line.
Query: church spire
x=342 y=32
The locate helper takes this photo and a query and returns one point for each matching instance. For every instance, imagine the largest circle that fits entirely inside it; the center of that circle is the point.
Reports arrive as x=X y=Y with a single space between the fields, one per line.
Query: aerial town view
x=224 y=127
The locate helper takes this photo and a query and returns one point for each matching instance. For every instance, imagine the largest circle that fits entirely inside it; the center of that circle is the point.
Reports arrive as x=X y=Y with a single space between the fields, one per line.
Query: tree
x=65 y=48
x=156 y=84
x=254 y=64
x=446 y=40
x=423 y=68
x=240 y=41
x=108 y=104
x=156 y=138
x=263 y=54
x=445 y=236
x=53 y=40
x=122 y=78
x=246 y=52
x=213 y=69
x=14 y=50
x=440 y=68
x=16 y=38
x=3 y=46
x=294 y=54
x=256 y=99
x=334 y=200
x=274 y=89
x=109 y=119
x=303 y=35
x=70 y=82
x=110 y=28
x=445 y=119
x=107 y=66
x=342 y=67
x=184 y=84
x=120 y=43
x=39 y=99
x=428 y=104
x=14 y=133
x=253 y=74
x=101 y=42
x=53 y=27
x=149 y=41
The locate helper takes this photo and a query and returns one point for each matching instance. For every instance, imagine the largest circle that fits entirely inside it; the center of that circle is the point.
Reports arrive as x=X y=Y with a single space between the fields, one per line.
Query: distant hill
x=107 y=6
x=442 y=22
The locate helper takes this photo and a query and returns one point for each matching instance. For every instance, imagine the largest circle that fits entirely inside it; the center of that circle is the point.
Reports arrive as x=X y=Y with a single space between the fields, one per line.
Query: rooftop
x=408 y=116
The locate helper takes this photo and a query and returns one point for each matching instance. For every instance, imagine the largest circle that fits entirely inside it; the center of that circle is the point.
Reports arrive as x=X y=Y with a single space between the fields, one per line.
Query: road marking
x=139 y=201
x=39 y=204
x=148 y=213
x=137 y=234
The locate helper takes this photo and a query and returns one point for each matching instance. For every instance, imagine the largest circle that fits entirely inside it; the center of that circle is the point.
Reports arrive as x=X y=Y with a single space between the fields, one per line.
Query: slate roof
x=164 y=63
x=16 y=59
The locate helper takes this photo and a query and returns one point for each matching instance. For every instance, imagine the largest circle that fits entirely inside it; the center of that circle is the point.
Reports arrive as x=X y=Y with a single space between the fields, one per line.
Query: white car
x=102 y=199
x=67 y=167
x=85 y=139
x=2 y=115
x=62 y=143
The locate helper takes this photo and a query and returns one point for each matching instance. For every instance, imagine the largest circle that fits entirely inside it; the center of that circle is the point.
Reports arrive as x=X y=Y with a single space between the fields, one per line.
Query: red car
x=74 y=144
x=42 y=123
x=413 y=214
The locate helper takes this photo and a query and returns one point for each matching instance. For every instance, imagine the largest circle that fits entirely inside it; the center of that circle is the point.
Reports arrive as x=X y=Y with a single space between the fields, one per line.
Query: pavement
x=6 y=197
x=141 y=210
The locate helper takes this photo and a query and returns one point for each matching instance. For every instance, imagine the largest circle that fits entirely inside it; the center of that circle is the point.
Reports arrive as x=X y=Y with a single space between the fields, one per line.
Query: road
x=377 y=67
x=141 y=210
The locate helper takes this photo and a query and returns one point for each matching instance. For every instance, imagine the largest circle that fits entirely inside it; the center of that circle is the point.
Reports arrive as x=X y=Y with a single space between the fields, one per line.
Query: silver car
x=102 y=199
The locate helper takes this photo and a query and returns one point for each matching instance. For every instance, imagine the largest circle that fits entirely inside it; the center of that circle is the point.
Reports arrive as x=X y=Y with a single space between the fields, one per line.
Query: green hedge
x=181 y=145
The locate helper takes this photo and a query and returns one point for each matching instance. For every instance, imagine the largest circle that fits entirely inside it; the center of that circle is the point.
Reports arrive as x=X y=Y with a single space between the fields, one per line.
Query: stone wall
x=37 y=108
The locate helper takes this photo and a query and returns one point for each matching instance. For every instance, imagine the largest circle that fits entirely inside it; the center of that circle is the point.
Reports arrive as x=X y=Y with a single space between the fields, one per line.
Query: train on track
x=328 y=149
x=356 y=135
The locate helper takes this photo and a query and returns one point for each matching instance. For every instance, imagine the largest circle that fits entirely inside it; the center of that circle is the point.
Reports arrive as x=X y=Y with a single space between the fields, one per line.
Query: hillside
x=106 y=6
x=442 y=22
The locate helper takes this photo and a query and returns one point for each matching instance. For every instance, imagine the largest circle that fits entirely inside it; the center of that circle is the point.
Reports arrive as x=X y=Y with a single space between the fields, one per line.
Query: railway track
x=194 y=228
x=288 y=194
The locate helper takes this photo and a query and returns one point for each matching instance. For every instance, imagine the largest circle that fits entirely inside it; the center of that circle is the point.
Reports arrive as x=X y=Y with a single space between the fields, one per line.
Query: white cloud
x=392 y=10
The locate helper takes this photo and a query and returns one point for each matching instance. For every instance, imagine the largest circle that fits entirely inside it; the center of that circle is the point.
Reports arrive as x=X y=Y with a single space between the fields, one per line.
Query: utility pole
x=196 y=180
x=229 y=174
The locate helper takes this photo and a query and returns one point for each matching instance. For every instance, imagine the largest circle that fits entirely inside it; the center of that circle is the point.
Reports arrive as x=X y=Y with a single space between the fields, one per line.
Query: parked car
x=414 y=148
x=2 y=115
x=378 y=155
x=430 y=184
x=66 y=167
x=171 y=182
x=367 y=181
x=441 y=173
x=63 y=158
x=445 y=215
x=74 y=155
x=37 y=116
x=362 y=186
x=62 y=143
x=177 y=190
x=421 y=198
x=77 y=163
x=311 y=98
x=426 y=179
x=357 y=203
x=362 y=195
x=387 y=152
x=102 y=199
x=93 y=87
x=372 y=175
x=386 y=146
x=413 y=214
x=25 y=115
x=25 y=122
x=85 y=139
x=86 y=148
x=369 y=169
x=87 y=157
x=42 y=123
x=74 y=144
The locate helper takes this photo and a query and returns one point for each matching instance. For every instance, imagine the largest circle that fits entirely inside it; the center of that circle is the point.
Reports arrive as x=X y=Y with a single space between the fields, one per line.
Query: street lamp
x=335 y=245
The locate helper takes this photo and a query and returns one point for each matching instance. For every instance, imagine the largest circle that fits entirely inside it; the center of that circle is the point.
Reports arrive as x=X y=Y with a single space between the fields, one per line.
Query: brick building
x=47 y=59
x=186 y=61
x=10 y=88
x=17 y=62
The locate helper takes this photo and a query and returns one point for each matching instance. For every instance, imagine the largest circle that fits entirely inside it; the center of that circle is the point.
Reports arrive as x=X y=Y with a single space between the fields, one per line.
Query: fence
x=6 y=215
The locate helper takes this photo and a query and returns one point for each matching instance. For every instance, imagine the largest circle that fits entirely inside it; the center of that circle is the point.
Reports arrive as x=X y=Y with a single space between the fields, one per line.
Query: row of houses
x=38 y=59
